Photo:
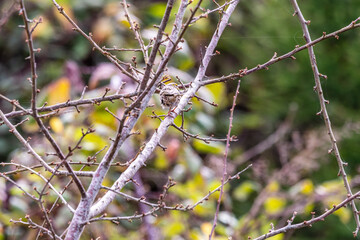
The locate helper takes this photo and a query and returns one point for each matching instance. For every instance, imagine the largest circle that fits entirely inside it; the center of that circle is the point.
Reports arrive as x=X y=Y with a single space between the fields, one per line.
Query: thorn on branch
x=106 y=91
x=272 y=227
x=83 y=92
x=323 y=76
x=243 y=72
x=162 y=147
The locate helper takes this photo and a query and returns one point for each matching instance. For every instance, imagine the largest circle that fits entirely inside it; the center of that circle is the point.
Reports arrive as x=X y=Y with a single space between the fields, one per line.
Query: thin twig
x=228 y=137
x=34 y=92
x=32 y=224
x=122 y=49
x=308 y=223
x=143 y=99
x=208 y=11
x=324 y=112
x=3 y=175
x=136 y=29
x=166 y=123
x=46 y=181
x=275 y=59
x=82 y=213
x=73 y=103
x=179 y=207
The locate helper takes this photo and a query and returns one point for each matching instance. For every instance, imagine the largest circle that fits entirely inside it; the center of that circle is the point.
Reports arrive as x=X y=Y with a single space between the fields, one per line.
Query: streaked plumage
x=170 y=96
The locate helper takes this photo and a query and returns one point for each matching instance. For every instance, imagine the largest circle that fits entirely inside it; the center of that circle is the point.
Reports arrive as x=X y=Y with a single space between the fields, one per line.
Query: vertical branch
x=127 y=122
x=228 y=137
x=34 y=92
x=324 y=112
x=157 y=43
x=135 y=29
x=124 y=129
x=30 y=44
x=140 y=160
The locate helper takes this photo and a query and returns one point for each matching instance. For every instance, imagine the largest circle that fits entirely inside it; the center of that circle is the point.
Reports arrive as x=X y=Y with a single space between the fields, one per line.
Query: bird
x=170 y=96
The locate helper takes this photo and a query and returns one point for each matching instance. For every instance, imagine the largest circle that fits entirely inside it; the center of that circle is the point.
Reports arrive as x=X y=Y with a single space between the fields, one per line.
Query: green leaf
x=212 y=148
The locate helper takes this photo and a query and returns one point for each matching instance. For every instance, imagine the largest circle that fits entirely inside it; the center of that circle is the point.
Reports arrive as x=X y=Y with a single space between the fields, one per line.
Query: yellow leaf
x=100 y=116
x=59 y=91
x=157 y=9
x=107 y=182
x=244 y=190
x=56 y=125
x=309 y=208
x=307 y=187
x=195 y=235
x=274 y=205
x=277 y=237
x=102 y=29
x=63 y=21
x=217 y=93
x=30 y=126
x=174 y=229
x=43 y=29
x=214 y=184
x=161 y=161
x=273 y=186
x=125 y=23
x=213 y=147
x=205 y=209
x=344 y=214
x=206 y=228
x=93 y=142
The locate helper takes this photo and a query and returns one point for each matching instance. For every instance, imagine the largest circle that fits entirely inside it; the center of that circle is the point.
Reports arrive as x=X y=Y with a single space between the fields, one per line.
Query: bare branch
x=166 y=123
x=73 y=103
x=136 y=29
x=150 y=63
x=309 y=222
x=45 y=180
x=275 y=59
x=32 y=224
x=324 y=112
x=228 y=137
x=108 y=55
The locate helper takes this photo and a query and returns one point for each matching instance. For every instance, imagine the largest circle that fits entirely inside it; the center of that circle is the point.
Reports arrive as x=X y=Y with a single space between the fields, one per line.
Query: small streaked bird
x=170 y=96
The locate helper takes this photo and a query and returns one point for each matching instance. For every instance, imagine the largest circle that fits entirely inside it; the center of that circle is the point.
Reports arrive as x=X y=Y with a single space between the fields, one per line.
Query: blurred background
x=275 y=117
